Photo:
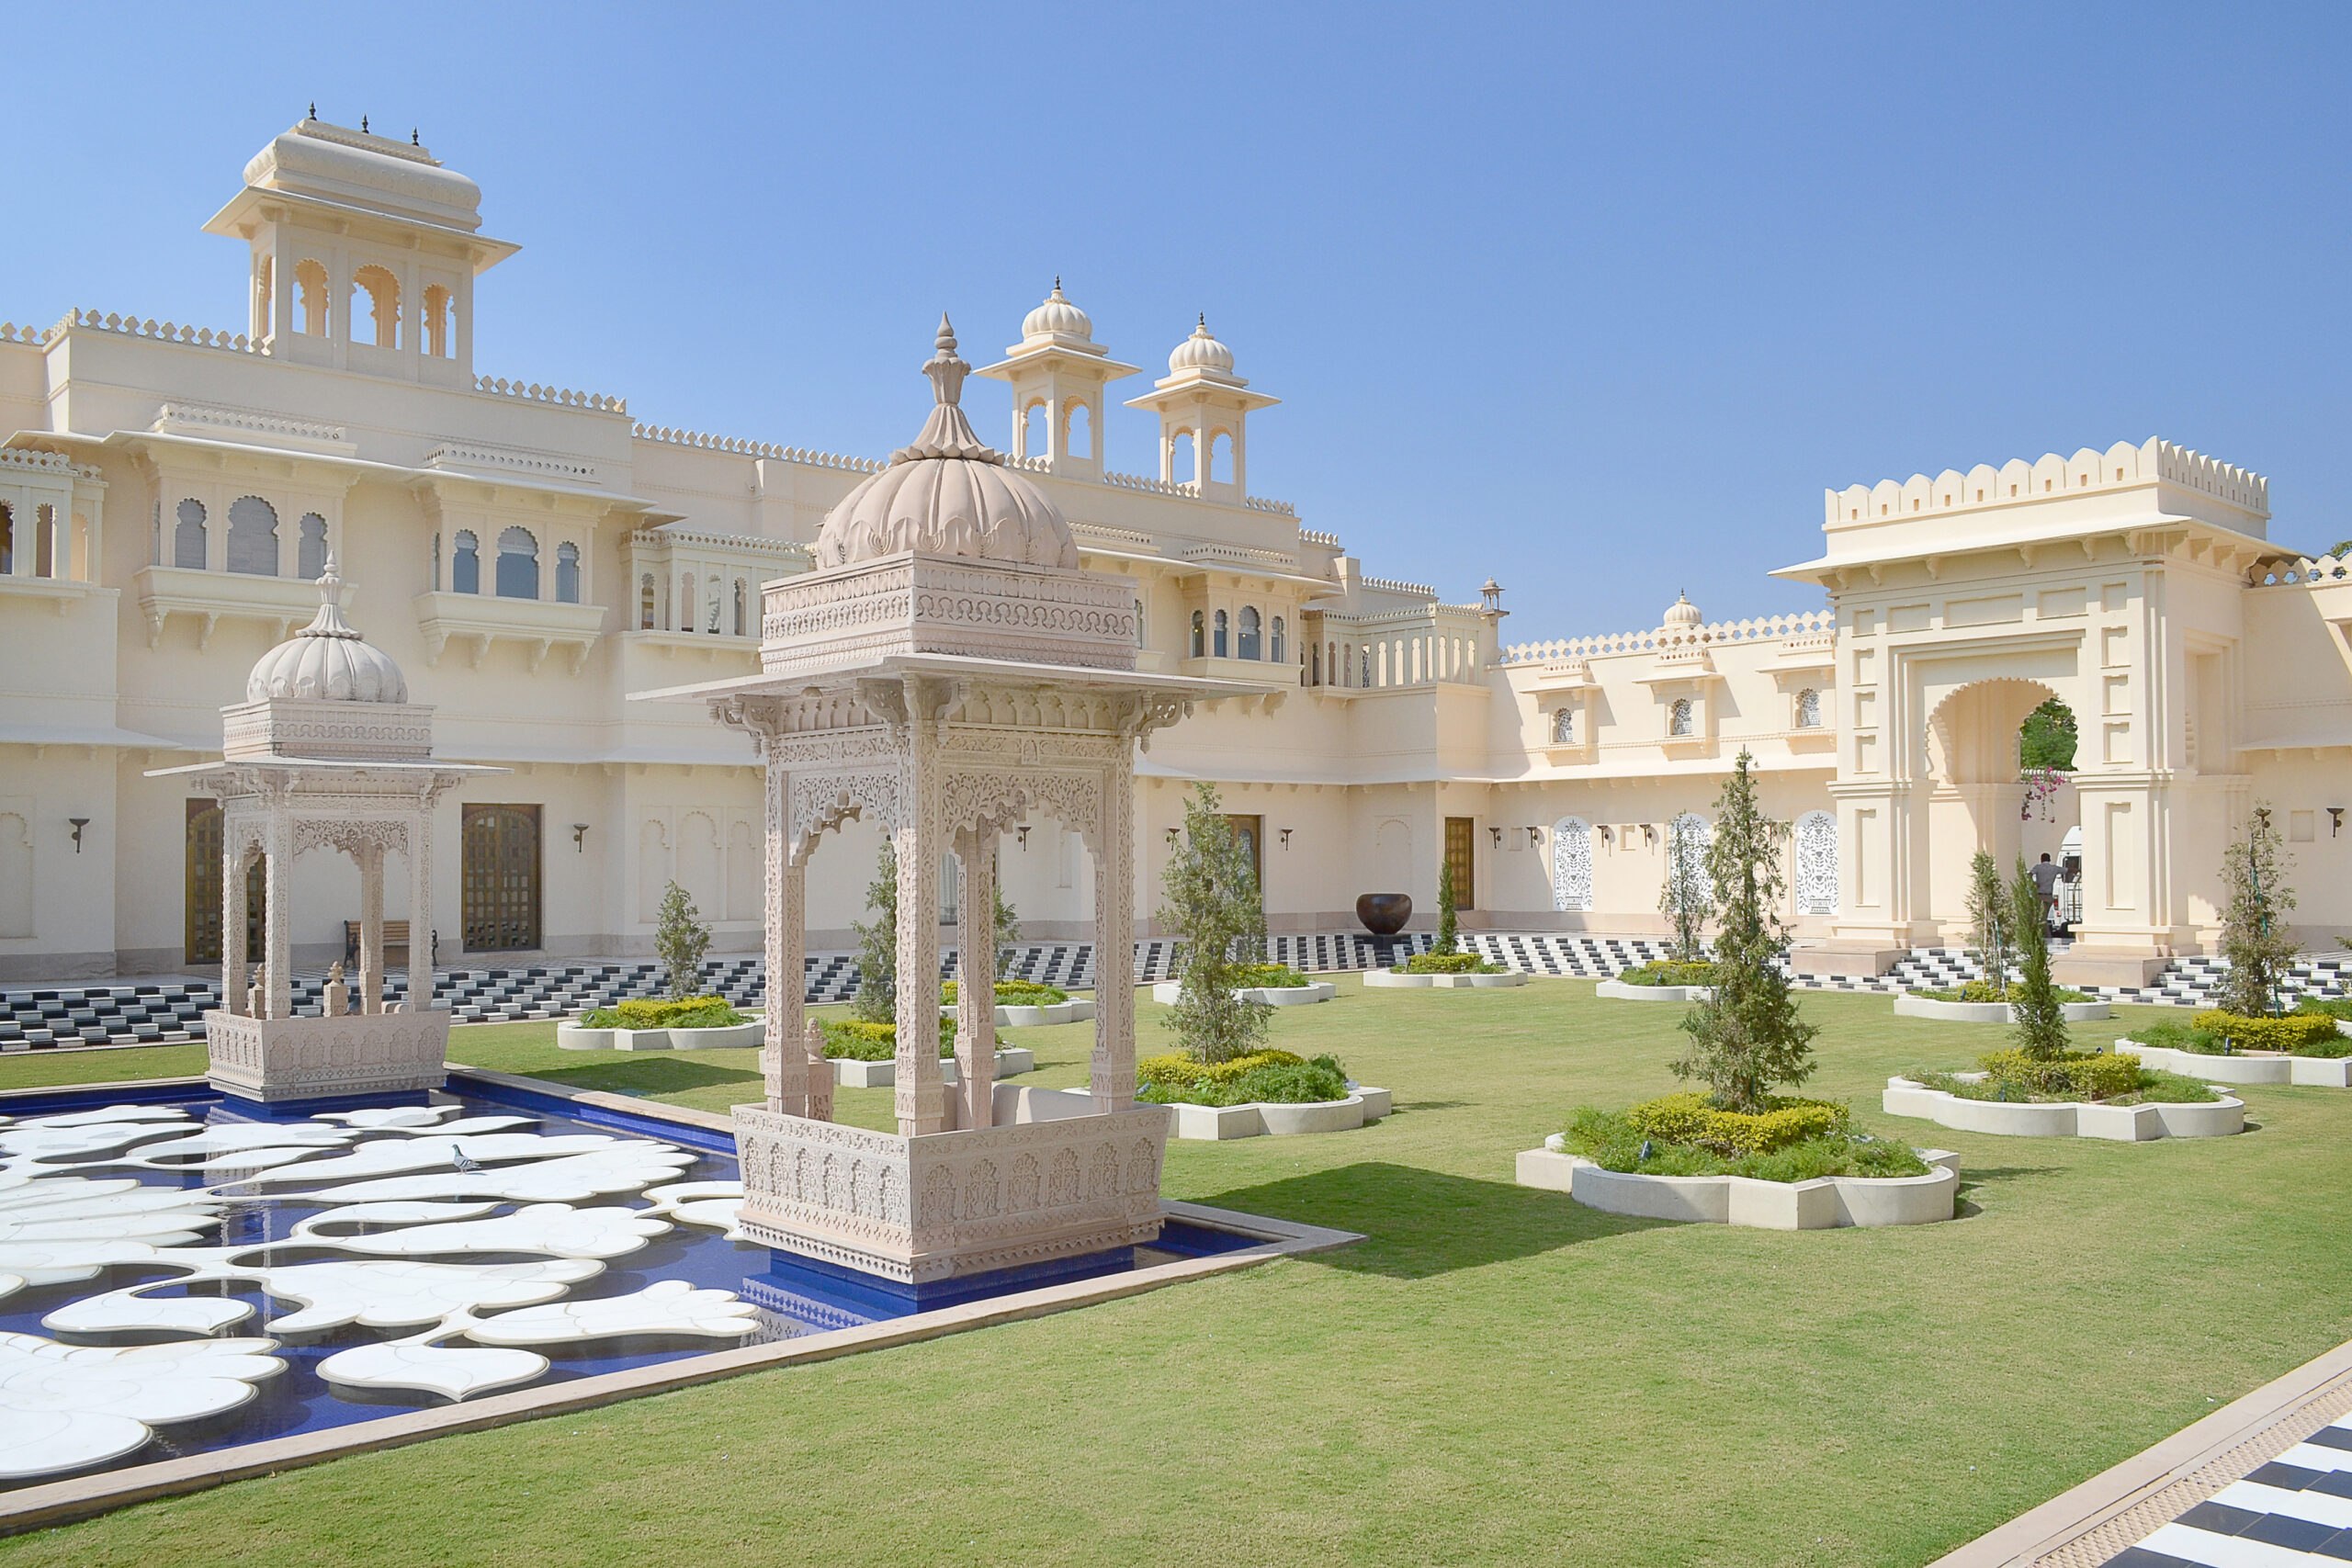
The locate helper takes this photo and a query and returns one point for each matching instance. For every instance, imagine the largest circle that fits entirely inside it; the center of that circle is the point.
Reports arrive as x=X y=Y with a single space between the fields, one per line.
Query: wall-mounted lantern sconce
x=1535 y=838
x=1285 y=833
x=79 y=823
x=580 y=838
x=2334 y=821
x=1022 y=833
x=1649 y=836
x=1498 y=832
x=1607 y=836
x=1171 y=838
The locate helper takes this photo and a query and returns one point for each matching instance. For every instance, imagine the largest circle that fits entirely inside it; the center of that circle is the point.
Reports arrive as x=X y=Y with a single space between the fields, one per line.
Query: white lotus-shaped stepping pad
x=396 y=1116
x=666 y=1306
x=556 y=1229
x=63 y=1406
x=376 y=1294
x=29 y=1141
x=436 y=1369
x=712 y=1203
x=129 y=1311
x=388 y=1156
x=599 y=1173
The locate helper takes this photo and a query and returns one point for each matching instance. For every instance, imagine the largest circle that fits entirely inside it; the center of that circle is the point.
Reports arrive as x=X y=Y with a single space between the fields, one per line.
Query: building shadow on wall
x=1421 y=1224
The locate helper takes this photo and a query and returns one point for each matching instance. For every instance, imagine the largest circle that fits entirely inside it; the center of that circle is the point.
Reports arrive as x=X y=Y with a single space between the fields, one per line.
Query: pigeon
x=466 y=1164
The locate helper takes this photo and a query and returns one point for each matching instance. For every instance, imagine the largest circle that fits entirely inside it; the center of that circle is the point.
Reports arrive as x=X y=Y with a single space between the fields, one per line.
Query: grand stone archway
x=1976 y=798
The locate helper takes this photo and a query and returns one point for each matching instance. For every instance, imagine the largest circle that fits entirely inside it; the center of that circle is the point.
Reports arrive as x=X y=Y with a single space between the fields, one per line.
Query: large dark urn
x=1384 y=914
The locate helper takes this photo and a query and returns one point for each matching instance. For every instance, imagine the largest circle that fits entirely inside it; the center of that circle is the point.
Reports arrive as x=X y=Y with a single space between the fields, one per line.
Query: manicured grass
x=1496 y=1374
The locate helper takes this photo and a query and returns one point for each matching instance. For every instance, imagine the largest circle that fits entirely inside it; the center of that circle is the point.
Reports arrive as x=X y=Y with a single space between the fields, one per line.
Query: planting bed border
x=2064 y=1119
x=1625 y=992
x=1906 y=1005
x=1389 y=977
x=2246 y=1066
x=1825 y=1202
x=572 y=1036
x=1216 y=1123
x=1272 y=996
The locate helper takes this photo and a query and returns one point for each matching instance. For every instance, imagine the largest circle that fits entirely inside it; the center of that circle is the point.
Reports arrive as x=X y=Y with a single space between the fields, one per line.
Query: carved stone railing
x=1806 y=623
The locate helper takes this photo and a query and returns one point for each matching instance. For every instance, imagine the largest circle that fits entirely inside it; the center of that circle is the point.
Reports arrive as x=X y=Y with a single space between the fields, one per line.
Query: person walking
x=2045 y=882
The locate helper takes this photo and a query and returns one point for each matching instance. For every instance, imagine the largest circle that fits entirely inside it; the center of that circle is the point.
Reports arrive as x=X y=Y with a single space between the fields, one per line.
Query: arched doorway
x=1572 y=866
x=1999 y=754
x=500 y=878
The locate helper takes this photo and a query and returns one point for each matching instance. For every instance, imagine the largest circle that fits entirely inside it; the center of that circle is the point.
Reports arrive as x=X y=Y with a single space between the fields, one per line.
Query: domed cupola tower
x=1057 y=372
x=1201 y=400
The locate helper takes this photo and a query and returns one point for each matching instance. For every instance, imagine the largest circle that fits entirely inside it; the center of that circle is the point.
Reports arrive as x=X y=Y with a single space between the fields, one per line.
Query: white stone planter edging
x=1822 y=1203
x=1271 y=995
x=1010 y=1017
x=1215 y=1123
x=2246 y=1066
x=1626 y=993
x=728 y=1037
x=1444 y=982
x=1909 y=1006
x=1011 y=1062
x=2065 y=1119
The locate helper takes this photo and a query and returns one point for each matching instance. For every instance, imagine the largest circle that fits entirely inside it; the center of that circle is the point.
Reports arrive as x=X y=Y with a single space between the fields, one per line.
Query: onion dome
x=1682 y=615
x=1057 y=318
x=327 y=660
x=948 y=493
x=1201 y=351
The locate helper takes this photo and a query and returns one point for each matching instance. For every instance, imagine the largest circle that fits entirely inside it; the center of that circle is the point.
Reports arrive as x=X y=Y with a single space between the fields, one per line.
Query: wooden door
x=1251 y=831
x=201 y=937
x=1460 y=853
x=499 y=877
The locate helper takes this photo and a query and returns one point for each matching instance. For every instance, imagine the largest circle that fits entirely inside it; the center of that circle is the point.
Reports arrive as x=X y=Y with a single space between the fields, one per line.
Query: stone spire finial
x=329 y=621
x=946 y=433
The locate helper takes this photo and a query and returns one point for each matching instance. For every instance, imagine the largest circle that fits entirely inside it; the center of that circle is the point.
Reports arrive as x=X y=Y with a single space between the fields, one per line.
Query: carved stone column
x=783 y=1055
x=1112 y=1074
x=921 y=1094
x=420 y=907
x=371 y=927
x=976 y=976
x=277 y=913
x=232 y=916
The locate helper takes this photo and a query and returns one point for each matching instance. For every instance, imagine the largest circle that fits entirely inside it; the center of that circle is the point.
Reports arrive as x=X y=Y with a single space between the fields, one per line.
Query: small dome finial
x=363 y=125
x=945 y=370
x=314 y=111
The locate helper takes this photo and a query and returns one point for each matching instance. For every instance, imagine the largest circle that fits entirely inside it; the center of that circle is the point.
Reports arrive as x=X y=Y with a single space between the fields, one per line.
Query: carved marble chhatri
x=945 y=671
x=326 y=752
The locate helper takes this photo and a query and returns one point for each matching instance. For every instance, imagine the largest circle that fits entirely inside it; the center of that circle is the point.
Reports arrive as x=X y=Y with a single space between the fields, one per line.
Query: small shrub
x=1013 y=994
x=1985 y=991
x=1448 y=963
x=689 y=1012
x=2107 y=1079
x=680 y=940
x=1615 y=1141
x=1670 y=972
x=1272 y=1076
x=859 y=1039
x=1177 y=1071
x=1691 y=1118
x=1269 y=976
x=2300 y=1033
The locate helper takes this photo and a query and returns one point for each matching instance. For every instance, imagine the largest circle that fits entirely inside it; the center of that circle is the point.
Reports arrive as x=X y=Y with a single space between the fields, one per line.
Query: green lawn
x=1496 y=1374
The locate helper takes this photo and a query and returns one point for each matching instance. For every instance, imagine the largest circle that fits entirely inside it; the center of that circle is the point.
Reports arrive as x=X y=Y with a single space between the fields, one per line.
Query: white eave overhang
x=2029 y=542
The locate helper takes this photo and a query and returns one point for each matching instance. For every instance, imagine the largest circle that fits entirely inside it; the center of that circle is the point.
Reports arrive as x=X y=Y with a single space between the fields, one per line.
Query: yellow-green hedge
x=1175 y=1071
x=2090 y=1075
x=1688 y=1118
x=2296 y=1031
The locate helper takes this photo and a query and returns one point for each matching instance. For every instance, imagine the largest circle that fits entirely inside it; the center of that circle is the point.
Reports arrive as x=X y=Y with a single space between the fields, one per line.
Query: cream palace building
x=532 y=557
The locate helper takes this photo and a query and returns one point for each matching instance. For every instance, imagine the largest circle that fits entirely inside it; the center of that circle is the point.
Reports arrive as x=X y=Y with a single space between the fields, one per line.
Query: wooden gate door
x=201 y=937
x=501 y=878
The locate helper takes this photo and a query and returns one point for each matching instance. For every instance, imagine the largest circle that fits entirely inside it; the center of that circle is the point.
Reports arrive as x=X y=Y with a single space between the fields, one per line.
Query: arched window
x=1563 y=727
x=1199 y=638
x=8 y=538
x=1218 y=642
x=1033 y=430
x=465 y=564
x=436 y=321
x=1678 y=717
x=436 y=563
x=742 y=608
x=311 y=547
x=264 y=290
x=1314 y=664
x=1817 y=878
x=252 y=537
x=1275 y=653
x=686 y=603
x=1183 y=467
x=1572 y=864
x=1250 y=645
x=1365 y=679
x=1078 y=432
x=1221 y=458
x=383 y=291
x=310 y=293
x=645 y=602
x=1808 y=709
x=567 y=573
x=518 y=564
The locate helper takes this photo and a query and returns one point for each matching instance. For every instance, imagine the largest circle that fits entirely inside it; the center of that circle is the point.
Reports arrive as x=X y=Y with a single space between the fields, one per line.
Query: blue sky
x=1596 y=300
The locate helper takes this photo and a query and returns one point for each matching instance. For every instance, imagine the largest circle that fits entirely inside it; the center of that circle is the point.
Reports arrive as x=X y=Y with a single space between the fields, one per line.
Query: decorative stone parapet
x=279 y=1059
x=916 y=1210
x=328 y=731
x=930 y=603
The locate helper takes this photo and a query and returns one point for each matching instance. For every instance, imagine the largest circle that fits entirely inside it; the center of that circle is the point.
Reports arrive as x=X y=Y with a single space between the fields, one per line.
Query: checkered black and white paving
x=170 y=1010
x=2295 y=1512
